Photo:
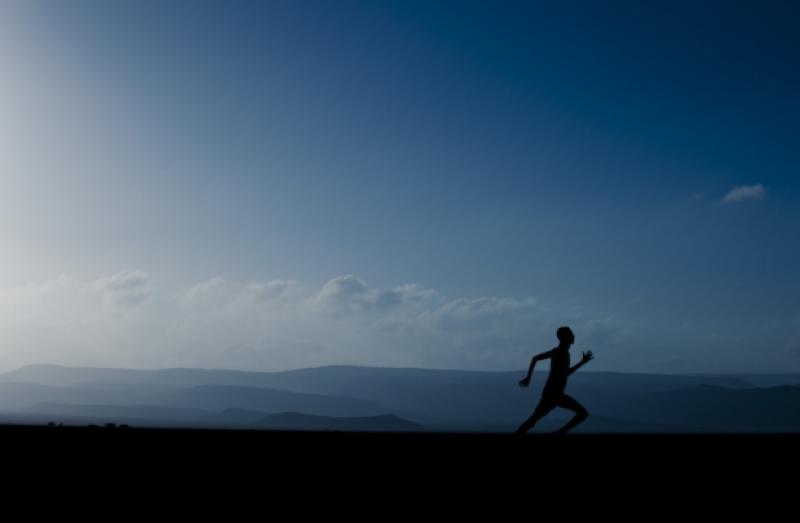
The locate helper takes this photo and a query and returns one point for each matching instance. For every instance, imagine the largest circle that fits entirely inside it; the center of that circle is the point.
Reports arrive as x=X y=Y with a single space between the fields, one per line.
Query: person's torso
x=559 y=367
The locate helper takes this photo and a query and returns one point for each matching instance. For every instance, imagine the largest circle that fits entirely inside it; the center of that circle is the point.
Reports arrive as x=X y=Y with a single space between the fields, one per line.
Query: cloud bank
x=128 y=320
x=125 y=319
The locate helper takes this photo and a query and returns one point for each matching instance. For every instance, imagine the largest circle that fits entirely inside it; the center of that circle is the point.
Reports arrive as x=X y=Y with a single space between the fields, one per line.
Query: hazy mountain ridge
x=435 y=399
x=772 y=409
x=16 y=396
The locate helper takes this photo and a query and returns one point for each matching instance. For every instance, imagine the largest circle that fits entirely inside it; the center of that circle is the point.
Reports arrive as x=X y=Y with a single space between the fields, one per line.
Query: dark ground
x=286 y=450
x=305 y=468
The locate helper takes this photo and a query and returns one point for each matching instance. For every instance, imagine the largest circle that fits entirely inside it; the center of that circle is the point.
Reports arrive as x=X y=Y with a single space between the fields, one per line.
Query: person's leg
x=567 y=402
x=545 y=405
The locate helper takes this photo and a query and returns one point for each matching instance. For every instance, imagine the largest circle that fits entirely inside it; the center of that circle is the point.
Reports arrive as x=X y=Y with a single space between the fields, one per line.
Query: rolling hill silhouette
x=209 y=398
x=772 y=409
x=438 y=400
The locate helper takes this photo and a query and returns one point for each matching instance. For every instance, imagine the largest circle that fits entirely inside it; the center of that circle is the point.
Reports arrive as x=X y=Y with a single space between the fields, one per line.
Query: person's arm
x=543 y=356
x=587 y=356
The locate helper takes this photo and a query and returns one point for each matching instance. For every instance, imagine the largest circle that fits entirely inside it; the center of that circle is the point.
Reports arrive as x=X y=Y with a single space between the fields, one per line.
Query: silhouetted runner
x=553 y=394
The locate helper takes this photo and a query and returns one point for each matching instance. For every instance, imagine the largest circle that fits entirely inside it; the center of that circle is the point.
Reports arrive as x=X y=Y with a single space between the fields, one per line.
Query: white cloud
x=344 y=291
x=348 y=293
x=411 y=292
x=744 y=193
x=213 y=292
x=488 y=308
x=126 y=288
x=124 y=320
x=271 y=290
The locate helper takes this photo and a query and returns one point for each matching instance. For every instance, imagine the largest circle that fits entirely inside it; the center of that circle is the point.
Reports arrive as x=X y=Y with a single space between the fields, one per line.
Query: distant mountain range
x=367 y=398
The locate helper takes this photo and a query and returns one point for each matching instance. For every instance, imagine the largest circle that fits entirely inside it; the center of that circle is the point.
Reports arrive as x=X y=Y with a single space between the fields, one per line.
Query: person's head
x=565 y=336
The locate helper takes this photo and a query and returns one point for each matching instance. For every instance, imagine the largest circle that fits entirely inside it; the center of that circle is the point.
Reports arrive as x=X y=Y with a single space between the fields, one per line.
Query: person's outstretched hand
x=525 y=382
x=587 y=356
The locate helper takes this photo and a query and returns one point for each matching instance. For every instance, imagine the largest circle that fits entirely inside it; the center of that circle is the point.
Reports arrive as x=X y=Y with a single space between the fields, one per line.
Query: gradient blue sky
x=628 y=169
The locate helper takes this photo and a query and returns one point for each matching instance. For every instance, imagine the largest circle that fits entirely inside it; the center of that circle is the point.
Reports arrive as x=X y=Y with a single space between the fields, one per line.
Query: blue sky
x=627 y=169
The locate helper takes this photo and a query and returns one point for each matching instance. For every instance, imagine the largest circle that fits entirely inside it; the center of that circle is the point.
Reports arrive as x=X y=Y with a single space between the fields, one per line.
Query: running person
x=553 y=394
